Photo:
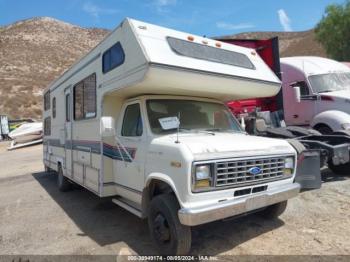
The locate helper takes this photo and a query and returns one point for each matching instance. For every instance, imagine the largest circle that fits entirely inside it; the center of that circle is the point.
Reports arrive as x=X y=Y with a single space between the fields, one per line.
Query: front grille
x=236 y=172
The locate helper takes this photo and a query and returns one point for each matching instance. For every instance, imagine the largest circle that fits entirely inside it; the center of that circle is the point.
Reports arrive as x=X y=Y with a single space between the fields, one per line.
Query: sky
x=201 y=17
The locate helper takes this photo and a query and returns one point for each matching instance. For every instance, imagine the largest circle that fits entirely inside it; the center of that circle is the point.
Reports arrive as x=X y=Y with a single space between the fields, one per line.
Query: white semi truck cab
x=316 y=93
x=143 y=121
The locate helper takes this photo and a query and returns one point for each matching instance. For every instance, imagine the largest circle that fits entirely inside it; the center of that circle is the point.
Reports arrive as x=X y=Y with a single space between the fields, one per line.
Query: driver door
x=300 y=113
x=131 y=148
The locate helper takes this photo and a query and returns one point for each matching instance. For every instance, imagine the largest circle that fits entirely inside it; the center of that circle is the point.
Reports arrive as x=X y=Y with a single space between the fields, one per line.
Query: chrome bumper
x=225 y=209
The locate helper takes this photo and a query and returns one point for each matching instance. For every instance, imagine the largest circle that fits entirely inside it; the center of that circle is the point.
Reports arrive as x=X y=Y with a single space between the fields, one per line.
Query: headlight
x=202 y=177
x=202 y=172
x=288 y=166
x=345 y=126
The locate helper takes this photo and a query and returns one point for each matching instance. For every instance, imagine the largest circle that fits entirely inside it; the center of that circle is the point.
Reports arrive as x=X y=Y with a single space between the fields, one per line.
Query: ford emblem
x=254 y=170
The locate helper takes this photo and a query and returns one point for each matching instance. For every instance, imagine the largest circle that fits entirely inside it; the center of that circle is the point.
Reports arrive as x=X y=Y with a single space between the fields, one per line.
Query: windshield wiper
x=223 y=130
x=188 y=130
x=326 y=91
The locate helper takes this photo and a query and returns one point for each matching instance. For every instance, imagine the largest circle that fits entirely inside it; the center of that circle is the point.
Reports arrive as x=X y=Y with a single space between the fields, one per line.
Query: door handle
x=295 y=116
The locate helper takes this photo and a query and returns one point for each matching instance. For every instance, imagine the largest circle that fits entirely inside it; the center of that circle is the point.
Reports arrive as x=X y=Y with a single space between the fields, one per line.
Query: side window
x=47 y=126
x=78 y=101
x=85 y=98
x=90 y=96
x=132 y=122
x=47 y=100
x=54 y=107
x=113 y=58
x=304 y=89
x=67 y=107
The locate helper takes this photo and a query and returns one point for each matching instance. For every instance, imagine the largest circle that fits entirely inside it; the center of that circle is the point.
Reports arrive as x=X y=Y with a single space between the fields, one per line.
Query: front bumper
x=229 y=208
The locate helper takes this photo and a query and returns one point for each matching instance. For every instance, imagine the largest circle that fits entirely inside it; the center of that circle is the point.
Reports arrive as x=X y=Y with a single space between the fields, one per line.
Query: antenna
x=178 y=128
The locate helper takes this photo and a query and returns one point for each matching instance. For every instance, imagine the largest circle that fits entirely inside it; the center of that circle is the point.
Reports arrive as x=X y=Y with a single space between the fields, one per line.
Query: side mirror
x=107 y=128
x=296 y=90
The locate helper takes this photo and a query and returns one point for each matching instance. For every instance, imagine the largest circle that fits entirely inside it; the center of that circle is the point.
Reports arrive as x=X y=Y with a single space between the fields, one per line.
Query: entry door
x=130 y=150
x=300 y=113
x=68 y=145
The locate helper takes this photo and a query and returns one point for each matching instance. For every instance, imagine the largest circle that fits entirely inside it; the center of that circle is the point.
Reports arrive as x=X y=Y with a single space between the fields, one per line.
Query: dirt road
x=35 y=218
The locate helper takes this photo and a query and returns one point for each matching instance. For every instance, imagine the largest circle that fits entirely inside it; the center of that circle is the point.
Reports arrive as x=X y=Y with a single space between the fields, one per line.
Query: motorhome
x=142 y=118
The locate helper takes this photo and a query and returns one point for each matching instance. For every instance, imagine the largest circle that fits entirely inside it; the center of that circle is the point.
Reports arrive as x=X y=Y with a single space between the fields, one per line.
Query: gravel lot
x=35 y=218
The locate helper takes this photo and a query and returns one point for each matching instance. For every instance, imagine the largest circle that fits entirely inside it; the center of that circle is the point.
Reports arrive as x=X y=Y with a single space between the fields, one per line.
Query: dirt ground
x=35 y=218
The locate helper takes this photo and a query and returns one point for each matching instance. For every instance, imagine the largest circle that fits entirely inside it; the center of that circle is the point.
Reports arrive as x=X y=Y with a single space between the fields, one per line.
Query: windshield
x=330 y=82
x=193 y=116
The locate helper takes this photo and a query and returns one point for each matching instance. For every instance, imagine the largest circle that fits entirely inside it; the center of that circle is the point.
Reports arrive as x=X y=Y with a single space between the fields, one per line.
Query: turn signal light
x=190 y=38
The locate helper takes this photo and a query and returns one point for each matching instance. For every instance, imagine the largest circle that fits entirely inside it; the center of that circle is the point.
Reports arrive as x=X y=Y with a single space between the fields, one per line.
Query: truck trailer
x=142 y=119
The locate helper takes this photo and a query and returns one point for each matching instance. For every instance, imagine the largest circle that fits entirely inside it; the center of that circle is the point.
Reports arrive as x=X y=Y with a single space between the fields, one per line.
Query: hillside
x=34 y=52
x=290 y=43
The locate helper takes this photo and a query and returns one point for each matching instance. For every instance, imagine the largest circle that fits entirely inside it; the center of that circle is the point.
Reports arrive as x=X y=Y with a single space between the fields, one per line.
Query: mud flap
x=308 y=170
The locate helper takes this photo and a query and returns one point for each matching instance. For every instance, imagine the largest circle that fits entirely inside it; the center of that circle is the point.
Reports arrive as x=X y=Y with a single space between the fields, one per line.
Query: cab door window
x=132 y=122
x=304 y=89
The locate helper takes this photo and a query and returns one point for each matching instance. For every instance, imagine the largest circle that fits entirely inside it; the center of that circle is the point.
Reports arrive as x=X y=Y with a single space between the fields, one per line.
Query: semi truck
x=312 y=107
x=142 y=119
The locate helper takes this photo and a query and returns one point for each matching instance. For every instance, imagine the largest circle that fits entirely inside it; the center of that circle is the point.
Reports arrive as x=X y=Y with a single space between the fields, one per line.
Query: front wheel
x=274 y=211
x=169 y=235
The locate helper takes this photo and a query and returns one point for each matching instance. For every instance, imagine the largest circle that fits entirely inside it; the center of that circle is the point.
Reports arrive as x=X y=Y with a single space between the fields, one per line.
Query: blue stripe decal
x=115 y=152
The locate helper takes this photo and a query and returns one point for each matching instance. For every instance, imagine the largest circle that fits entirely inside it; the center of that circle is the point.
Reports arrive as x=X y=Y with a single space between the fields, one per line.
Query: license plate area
x=256 y=202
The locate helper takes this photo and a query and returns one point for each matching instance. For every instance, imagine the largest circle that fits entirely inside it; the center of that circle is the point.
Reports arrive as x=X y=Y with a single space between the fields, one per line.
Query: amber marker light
x=190 y=38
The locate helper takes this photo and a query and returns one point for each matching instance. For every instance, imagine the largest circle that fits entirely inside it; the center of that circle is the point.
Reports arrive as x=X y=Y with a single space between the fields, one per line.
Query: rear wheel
x=169 y=235
x=63 y=182
x=274 y=211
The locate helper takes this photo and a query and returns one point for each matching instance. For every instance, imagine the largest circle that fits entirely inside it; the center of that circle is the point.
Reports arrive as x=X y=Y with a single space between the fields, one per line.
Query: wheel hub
x=161 y=228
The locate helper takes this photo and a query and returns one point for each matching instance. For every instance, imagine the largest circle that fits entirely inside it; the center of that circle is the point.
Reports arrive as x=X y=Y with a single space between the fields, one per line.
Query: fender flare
x=161 y=177
x=332 y=118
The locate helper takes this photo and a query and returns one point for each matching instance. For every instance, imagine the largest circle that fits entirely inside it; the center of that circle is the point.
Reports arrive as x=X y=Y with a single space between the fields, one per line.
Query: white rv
x=321 y=94
x=142 y=118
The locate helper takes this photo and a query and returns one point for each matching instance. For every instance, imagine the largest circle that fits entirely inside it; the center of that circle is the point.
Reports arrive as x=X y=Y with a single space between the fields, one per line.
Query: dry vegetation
x=290 y=43
x=34 y=52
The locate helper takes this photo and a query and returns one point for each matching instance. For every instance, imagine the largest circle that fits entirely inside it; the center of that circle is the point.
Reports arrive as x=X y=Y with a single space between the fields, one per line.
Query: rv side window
x=78 y=101
x=47 y=126
x=85 y=98
x=113 y=58
x=67 y=107
x=132 y=122
x=54 y=107
x=209 y=53
x=47 y=100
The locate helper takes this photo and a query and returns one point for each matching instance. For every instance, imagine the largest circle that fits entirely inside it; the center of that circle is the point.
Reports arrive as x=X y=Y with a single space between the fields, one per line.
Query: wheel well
x=320 y=125
x=155 y=188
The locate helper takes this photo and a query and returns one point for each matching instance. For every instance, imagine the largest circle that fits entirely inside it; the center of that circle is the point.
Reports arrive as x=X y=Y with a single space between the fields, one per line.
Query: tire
x=324 y=129
x=62 y=182
x=343 y=169
x=168 y=234
x=274 y=211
